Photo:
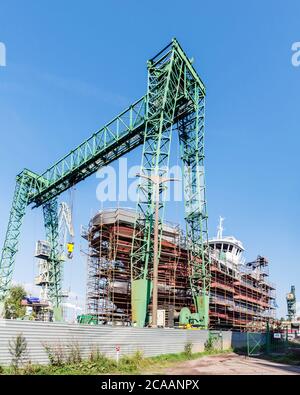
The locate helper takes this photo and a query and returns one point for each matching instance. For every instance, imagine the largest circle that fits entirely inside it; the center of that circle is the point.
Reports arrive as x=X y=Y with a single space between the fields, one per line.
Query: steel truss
x=172 y=90
x=174 y=100
x=191 y=137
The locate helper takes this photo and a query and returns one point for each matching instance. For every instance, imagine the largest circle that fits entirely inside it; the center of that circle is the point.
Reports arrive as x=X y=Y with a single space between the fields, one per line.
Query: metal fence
x=150 y=341
x=240 y=340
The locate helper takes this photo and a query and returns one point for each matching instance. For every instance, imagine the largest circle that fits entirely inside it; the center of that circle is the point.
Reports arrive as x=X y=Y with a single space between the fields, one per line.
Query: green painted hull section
x=140 y=297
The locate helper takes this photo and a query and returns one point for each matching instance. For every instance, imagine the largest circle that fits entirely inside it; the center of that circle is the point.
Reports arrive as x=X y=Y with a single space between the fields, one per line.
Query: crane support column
x=191 y=137
x=50 y=211
x=24 y=184
x=164 y=77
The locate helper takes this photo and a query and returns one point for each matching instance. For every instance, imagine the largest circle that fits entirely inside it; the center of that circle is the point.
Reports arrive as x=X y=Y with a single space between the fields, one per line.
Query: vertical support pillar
x=164 y=76
x=50 y=211
x=268 y=338
x=191 y=137
x=20 y=200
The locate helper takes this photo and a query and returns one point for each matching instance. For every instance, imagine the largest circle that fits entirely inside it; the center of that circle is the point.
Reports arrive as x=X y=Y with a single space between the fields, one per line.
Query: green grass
x=100 y=364
x=289 y=358
x=184 y=357
x=289 y=355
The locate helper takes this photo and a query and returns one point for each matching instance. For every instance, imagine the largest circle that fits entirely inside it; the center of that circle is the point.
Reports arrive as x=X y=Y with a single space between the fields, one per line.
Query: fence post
x=248 y=345
x=286 y=343
x=221 y=337
x=268 y=338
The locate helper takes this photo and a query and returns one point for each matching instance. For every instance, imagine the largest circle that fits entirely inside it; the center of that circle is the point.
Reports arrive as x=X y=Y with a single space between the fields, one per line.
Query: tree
x=12 y=307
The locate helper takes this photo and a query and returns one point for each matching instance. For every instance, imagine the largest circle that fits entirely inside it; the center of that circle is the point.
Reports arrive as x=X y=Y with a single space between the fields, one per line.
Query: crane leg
x=191 y=137
x=50 y=211
x=163 y=87
x=10 y=248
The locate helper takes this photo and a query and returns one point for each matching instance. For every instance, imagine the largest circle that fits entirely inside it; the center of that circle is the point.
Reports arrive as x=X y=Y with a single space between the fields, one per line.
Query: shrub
x=130 y=364
x=95 y=354
x=18 y=351
x=30 y=369
x=188 y=347
x=209 y=344
x=74 y=353
x=55 y=353
x=100 y=363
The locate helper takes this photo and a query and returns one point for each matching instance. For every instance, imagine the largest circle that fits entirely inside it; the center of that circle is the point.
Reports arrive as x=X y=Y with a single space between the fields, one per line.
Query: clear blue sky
x=72 y=66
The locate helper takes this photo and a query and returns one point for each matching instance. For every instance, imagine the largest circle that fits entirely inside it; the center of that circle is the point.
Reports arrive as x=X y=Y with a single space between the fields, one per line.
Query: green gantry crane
x=175 y=101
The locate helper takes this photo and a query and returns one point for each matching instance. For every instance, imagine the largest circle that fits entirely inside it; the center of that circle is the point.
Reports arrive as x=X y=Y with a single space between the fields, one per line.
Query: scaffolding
x=241 y=297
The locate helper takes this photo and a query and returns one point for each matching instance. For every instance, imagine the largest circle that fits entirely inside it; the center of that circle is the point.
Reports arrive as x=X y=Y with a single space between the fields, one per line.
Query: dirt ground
x=231 y=364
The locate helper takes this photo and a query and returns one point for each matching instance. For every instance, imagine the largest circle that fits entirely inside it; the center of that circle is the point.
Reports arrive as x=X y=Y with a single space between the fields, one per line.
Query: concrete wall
x=150 y=341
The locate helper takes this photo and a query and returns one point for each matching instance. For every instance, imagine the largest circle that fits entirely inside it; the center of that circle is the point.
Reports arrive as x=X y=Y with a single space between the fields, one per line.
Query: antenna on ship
x=220 y=228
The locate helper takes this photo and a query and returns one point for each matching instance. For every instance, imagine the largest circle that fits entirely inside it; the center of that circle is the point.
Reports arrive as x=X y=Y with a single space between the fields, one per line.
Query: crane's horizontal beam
x=86 y=159
x=119 y=136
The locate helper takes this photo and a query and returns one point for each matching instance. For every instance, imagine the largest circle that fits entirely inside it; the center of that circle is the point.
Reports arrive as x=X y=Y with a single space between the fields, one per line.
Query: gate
x=216 y=340
x=256 y=343
x=278 y=342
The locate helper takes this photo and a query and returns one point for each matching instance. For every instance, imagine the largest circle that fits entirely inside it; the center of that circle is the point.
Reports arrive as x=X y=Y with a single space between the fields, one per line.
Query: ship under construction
x=136 y=256
x=241 y=295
